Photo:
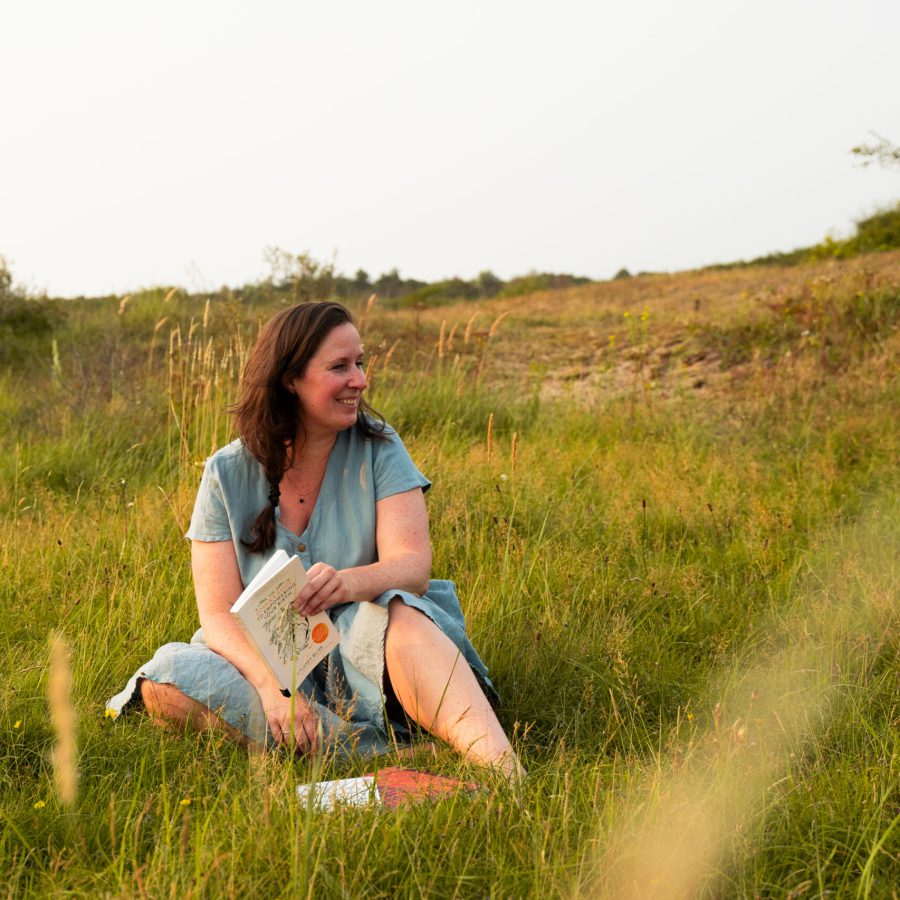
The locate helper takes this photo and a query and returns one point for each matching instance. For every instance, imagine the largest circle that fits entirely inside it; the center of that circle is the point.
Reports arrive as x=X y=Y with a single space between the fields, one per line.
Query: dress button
x=301 y=547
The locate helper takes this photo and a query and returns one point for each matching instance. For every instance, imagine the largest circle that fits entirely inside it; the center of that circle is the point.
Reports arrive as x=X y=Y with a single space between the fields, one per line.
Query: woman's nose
x=358 y=381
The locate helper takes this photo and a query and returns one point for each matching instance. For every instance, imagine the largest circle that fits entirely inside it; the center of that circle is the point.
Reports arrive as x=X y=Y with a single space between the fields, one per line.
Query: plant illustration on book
x=291 y=634
x=290 y=644
x=287 y=630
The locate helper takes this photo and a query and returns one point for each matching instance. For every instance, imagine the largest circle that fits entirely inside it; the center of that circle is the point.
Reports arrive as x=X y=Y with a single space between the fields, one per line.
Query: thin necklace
x=301 y=498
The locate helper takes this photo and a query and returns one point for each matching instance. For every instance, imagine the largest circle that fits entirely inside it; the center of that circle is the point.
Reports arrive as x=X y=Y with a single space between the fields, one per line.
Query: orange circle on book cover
x=319 y=633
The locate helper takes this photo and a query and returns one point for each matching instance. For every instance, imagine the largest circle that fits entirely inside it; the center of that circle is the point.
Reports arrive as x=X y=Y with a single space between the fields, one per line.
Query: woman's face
x=329 y=390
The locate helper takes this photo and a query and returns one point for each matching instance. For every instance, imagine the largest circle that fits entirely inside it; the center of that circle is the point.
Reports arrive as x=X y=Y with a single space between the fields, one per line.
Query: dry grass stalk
x=171 y=357
x=496 y=323
x=123 y=303
x=371 y=366
x=171 y=293
x=441 y=339
x=675 y=845
x=468 y=332
x=490 y=436
x=451 y=336
x=512 y=452
x=206 y=314
x=389 y=354
x=62 y=715
x=371 y=302
x=156 y=328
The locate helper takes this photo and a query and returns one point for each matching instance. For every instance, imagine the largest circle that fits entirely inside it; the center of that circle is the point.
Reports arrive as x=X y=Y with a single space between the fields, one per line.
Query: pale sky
x=172 y=142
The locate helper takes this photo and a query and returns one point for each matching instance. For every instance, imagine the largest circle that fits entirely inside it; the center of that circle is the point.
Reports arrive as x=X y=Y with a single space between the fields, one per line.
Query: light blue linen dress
x=346 y=691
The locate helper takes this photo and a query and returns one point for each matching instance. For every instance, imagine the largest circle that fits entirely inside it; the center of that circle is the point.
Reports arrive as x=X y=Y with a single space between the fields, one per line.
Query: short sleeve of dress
x=394 y=470
x=209 y=521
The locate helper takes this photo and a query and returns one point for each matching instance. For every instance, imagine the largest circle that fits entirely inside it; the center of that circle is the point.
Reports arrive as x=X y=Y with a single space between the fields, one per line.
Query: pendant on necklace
x=301 y=499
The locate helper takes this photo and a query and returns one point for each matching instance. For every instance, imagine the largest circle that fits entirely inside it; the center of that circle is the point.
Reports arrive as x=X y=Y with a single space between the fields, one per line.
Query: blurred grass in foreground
x=677 y=552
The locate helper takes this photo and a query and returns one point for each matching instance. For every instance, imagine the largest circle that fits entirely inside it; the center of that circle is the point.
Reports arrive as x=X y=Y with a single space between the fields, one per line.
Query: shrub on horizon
x=21 y=315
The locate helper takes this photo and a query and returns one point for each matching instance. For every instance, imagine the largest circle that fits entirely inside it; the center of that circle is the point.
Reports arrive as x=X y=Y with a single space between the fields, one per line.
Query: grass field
x=671 y=507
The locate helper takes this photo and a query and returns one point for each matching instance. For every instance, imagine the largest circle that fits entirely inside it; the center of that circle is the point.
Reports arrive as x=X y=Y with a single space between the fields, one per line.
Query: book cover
x=290 y=644
x=389 y=787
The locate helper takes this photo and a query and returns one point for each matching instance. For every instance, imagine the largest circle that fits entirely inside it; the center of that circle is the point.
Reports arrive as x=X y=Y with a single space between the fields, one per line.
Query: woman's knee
x=165 y=701
x=405 y=623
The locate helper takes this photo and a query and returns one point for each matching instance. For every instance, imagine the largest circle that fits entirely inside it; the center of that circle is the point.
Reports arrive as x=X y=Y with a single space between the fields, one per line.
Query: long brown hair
x=267 y=415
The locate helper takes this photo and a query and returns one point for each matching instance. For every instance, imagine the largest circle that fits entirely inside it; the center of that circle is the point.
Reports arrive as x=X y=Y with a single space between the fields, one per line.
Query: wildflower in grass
x=690 y=717
x=18 y=724
x=645 y=314
x=612 y=341
x=186 y=801
x=626 y=314
x=110 y=713
x=39 y=804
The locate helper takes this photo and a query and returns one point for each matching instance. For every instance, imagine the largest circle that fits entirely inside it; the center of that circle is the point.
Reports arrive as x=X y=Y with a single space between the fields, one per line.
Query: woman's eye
x=360 y=364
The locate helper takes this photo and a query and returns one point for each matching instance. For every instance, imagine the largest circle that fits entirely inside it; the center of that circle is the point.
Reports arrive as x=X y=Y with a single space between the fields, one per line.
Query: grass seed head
x=496 y=324
x=62 y=715
x=389 y=354
x=468 y=332
x=370 y=368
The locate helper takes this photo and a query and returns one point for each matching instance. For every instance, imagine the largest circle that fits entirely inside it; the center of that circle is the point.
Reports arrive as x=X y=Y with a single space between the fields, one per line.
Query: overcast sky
x=172 y=142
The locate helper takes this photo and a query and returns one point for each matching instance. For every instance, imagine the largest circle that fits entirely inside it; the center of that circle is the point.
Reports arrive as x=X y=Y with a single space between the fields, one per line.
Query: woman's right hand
x=301 y=723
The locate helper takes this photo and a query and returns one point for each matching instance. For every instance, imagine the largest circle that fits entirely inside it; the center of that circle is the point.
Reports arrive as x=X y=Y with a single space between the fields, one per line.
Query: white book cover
x=289 y=643
x=389 y=787
x=325 y=795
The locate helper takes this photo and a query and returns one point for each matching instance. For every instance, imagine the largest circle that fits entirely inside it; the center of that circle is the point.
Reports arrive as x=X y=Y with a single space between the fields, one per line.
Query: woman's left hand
x=326 y=587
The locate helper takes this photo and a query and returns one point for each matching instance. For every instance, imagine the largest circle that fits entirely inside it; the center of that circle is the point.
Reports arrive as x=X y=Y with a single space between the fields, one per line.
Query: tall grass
x=687 y=599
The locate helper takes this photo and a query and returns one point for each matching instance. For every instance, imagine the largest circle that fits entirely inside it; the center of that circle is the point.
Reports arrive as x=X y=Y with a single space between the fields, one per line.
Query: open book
x=290 y=644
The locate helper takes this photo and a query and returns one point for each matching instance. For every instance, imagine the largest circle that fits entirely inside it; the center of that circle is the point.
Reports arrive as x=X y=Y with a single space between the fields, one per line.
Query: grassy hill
x=671 y=507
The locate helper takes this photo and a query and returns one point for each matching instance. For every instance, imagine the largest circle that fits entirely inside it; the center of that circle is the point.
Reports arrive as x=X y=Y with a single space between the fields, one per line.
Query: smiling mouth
x=349 y=401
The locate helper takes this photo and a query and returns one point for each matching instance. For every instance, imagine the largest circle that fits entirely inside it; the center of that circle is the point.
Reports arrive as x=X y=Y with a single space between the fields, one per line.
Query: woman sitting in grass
x=316 y=473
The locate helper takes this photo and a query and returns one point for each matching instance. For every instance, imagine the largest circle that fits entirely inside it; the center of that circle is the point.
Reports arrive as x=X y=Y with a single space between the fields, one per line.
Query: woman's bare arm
x=404 y=559
x=217 y=584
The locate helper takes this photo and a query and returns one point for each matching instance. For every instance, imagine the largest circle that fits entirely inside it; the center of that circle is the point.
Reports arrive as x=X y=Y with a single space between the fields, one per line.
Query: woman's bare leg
x=167 y=705
x=438 y=690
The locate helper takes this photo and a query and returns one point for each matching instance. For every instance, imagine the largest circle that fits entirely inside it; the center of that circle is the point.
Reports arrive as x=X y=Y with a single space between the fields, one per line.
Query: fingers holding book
x=325 y=587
